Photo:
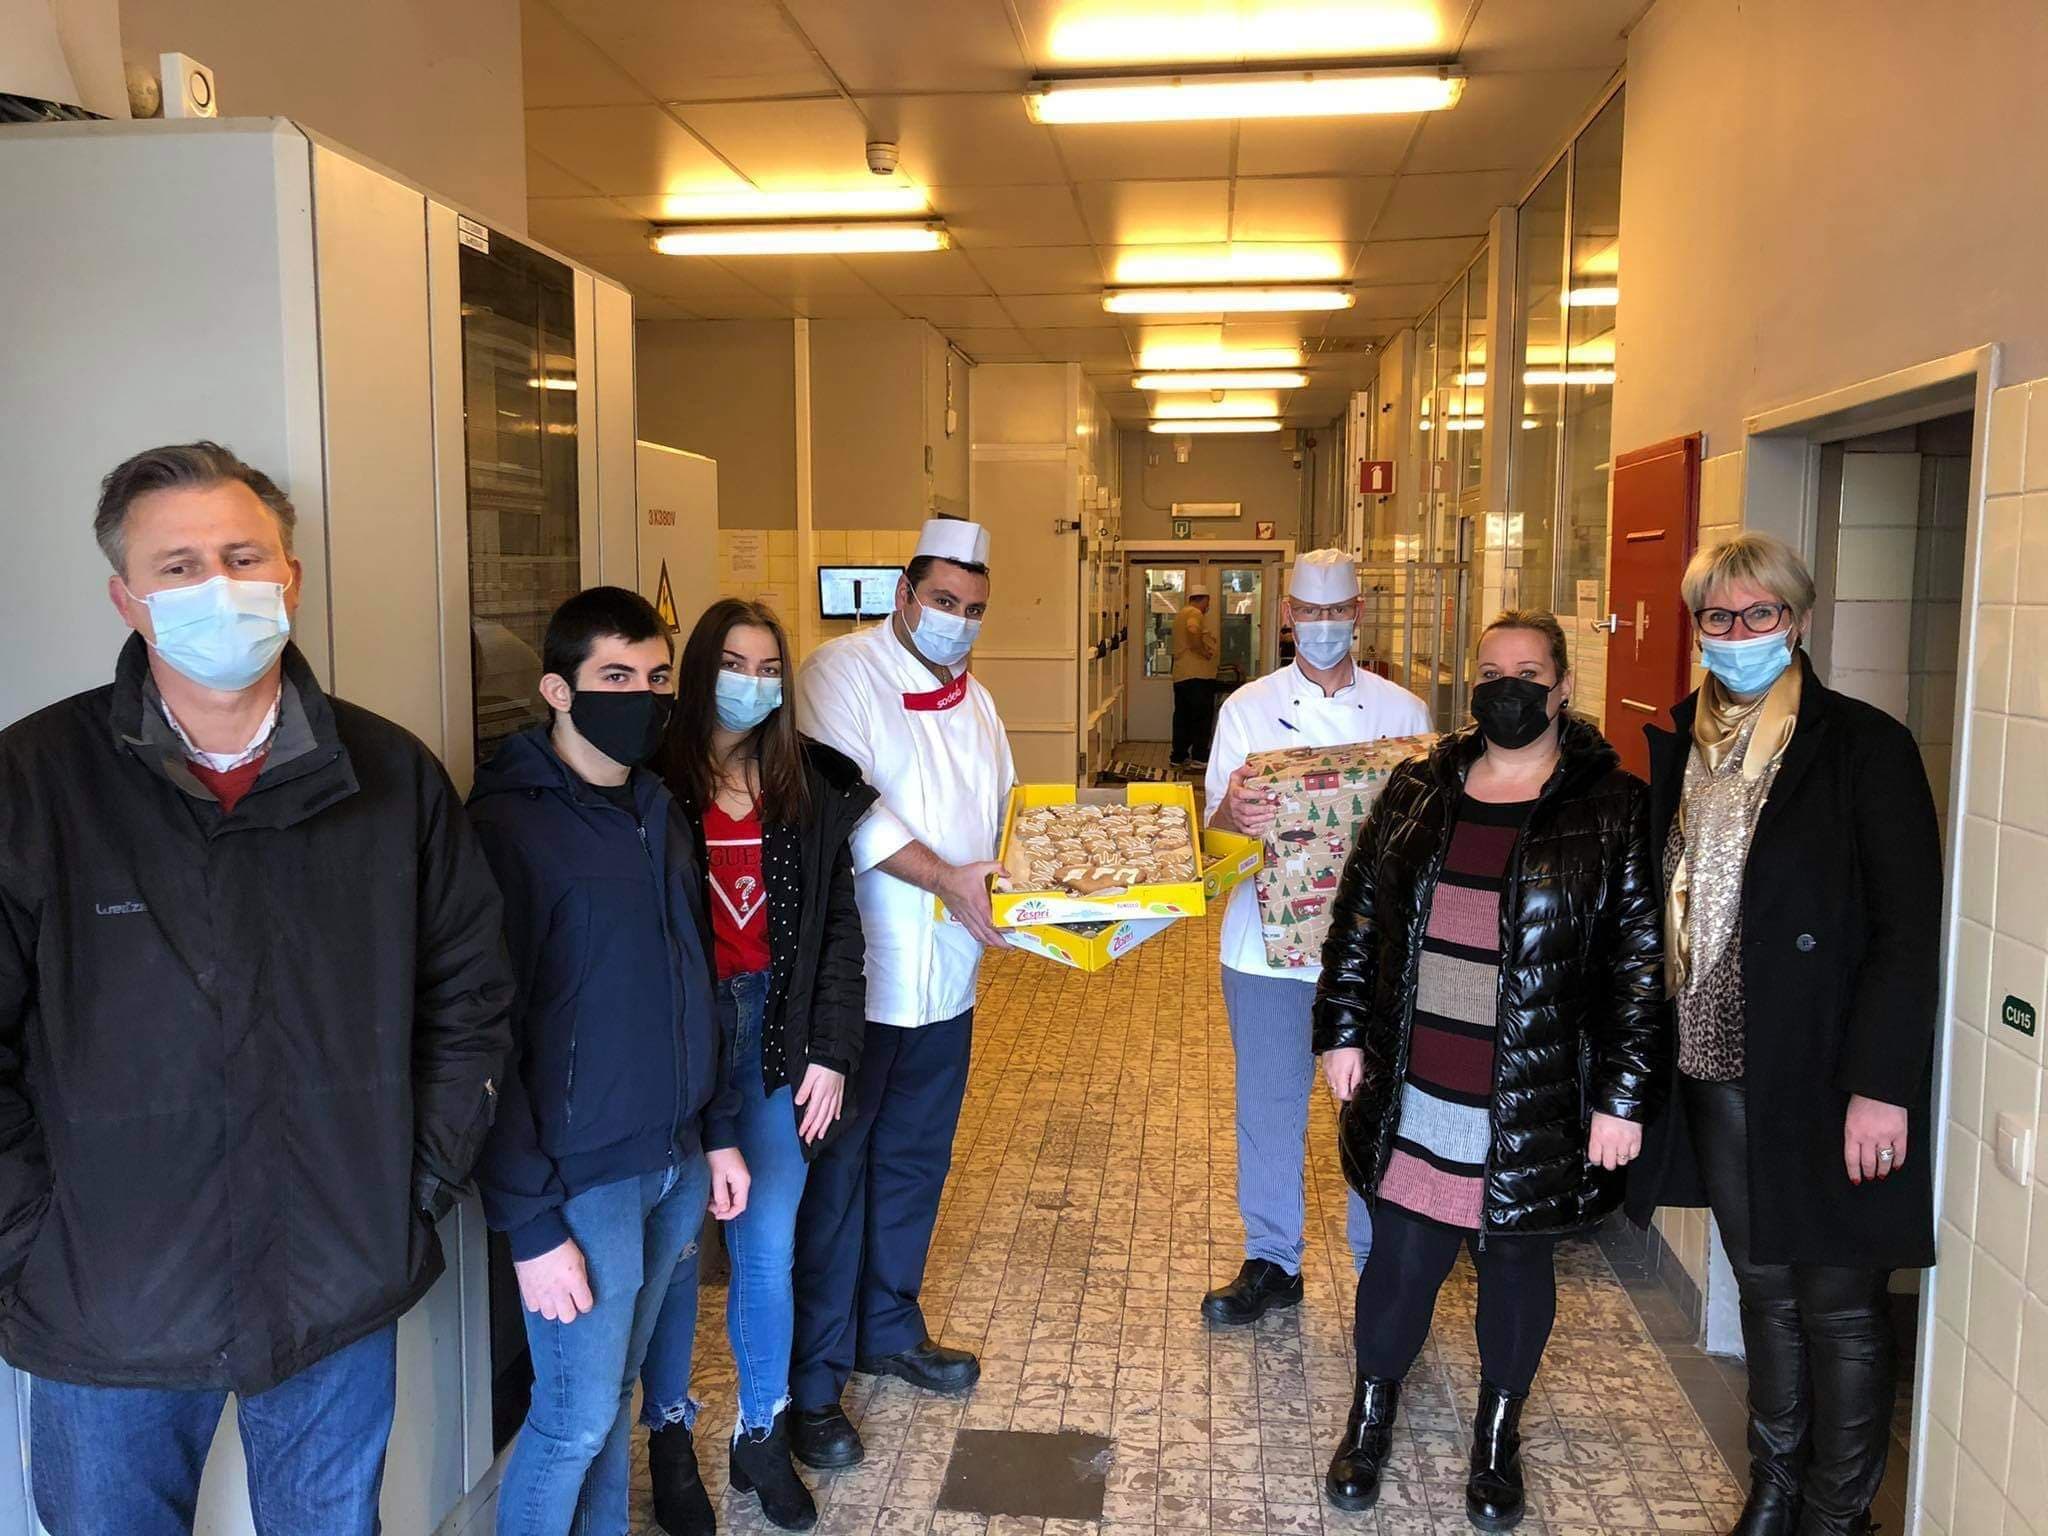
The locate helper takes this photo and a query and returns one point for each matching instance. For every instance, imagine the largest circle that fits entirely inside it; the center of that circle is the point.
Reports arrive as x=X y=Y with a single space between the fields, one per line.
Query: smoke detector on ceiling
x=883 y=154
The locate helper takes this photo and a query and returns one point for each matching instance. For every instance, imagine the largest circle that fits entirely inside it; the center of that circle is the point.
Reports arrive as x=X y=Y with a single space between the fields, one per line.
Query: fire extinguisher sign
x=1376 y=477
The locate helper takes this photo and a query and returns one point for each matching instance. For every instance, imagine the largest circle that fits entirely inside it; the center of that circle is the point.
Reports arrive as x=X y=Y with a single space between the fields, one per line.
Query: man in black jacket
x=618 y=1120
x=253 y=1005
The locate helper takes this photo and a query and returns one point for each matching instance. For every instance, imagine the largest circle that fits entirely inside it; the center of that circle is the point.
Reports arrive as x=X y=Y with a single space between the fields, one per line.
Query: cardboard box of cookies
x=1073 y=855
x=1322 y=796
x=1227 y=859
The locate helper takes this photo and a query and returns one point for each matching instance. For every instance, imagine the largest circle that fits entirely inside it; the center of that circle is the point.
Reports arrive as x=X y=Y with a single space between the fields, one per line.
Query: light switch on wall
x=2015 y=1148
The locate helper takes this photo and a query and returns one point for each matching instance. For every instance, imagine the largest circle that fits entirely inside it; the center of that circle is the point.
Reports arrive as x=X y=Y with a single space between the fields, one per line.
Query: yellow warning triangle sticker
x=665 y=599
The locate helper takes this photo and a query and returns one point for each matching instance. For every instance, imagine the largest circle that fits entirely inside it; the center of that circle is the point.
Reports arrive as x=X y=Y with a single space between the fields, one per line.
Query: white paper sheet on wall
x=749 y=555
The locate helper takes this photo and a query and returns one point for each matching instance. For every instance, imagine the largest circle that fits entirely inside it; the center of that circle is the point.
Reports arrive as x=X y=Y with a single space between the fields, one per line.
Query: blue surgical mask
x=1323 y=643
x=945 y=638
x=744 y=702
x=223 y=634
x=1747 y=666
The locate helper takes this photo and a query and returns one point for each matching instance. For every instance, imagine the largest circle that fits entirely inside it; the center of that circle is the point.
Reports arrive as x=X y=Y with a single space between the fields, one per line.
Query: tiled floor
x=1092 y=1203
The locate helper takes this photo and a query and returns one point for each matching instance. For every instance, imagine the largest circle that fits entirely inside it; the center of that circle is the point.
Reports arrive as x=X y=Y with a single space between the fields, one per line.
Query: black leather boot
x=763 y=1467
x=1260 y=1286
x=1770 y=1511
x=1493 y=1493
x=928 y=1366
x=824 y=1438
x=1353 y=1481
x=681 y=1506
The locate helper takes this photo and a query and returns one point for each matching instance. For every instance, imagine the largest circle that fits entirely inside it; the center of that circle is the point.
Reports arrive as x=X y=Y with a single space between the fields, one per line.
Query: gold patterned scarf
x=1717 y=725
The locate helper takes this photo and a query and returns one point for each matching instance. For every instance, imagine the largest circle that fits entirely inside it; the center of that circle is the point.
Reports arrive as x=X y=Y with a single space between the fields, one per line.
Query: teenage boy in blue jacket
x=615 y=1123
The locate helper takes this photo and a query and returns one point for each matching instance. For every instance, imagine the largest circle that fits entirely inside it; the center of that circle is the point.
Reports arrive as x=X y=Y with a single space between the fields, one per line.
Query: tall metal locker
x=451 y=410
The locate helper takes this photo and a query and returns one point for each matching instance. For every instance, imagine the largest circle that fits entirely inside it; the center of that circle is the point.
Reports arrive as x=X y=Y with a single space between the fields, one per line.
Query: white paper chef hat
x=1324 y=577
x=954 y=539
x=1198 y=590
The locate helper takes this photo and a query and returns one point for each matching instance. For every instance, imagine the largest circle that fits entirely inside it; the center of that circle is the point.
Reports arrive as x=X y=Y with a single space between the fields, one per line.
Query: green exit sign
x=2019 y=1015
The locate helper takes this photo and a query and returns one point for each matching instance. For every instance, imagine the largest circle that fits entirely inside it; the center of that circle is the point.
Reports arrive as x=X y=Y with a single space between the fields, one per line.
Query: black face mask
x=625 y=727
x=1511 y=711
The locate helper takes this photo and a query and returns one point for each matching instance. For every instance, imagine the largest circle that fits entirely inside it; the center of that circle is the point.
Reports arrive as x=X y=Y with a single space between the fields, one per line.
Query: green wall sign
x=2019 y=1015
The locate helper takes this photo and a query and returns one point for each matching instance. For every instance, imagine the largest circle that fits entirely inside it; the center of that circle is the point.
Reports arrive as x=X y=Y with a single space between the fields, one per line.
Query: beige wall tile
x=1958 y=1209
x=2027 y=659
x=1945 y=1377
x=1988 y=1404
x=1966 y=1080
x=2006 y=462
x=1992 y=662
x=1875 y=563
x=1979 y=883
x=2036 y=469
x=1973 y=972
x=2025 y=758
x=1999 y=565
x=2022 y=885
x=1995 y=1318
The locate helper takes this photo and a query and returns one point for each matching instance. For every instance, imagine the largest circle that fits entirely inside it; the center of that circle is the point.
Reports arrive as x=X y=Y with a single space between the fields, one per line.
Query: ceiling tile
x=625 y=150
x=1534 y=34
x=1372 y=323
x=1010 y=216
x=1111 y=151
x=1060 y=309
x=1308 y=208
x=1506 y=122
x=563 y=69
x=780 y=144
x=846 y=306
x=919 y=272
x=1325 y=146
x=965 y=141
x=1156 y=212
x=1414 y=261
x=916 y=45
x=544 y=178
x=1319 y=403
x=1048 y=269
x=793 y=277
x=946 y=310
x=1457 y=203
x=653 y=307
x=703 y=285
x=1398 y=301
x=1072 y=344
x=724 y=51
x=756 y=307
x=1002 y=344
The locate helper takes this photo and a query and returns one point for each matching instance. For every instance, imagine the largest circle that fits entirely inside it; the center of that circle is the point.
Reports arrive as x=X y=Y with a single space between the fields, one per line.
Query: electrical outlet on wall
x=2015 y=1148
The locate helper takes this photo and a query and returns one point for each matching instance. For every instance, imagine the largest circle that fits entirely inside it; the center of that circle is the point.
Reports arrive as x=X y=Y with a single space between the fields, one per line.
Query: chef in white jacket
x=899 y=701
x=1322 y=699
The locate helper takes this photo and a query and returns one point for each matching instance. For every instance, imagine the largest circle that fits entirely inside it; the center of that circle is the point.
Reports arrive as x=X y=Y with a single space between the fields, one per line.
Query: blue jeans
x=128 y=1459
x=760 y=1305
x=569 y=1470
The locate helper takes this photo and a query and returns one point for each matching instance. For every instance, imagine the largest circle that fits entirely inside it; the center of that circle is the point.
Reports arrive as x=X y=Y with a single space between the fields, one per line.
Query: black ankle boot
x=763 y=1466
x=681 y=1506
x=1770 y=1511
x=1493 y=1493
x=1353 y=1481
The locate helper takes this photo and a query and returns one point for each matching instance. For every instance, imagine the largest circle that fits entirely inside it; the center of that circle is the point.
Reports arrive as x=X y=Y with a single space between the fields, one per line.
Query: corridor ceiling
x=630 y=102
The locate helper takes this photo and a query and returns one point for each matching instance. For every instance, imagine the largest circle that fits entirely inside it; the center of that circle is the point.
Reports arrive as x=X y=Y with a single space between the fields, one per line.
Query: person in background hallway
x=1325 y=699
x=1802 y=902
x=1286 y=645
x=772 y=814
x=253 y=1005
x=1194 y=681
x=617 y=1124
x=898 y=701
x=1492 y=1017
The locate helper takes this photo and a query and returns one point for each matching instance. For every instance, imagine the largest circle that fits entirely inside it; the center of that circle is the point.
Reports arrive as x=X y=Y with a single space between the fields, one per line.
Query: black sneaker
x=1259 y=1287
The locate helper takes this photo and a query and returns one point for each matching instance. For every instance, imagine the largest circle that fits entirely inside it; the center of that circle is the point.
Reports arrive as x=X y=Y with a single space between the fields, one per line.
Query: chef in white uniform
x=899 y=701
x=1322 y=699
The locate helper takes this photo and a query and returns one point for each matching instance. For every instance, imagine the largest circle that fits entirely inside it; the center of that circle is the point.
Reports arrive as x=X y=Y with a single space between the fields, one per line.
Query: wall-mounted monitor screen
x=857 y=591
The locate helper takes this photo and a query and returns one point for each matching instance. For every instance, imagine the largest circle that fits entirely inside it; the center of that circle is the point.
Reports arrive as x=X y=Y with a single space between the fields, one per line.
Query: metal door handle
x=1614 y=624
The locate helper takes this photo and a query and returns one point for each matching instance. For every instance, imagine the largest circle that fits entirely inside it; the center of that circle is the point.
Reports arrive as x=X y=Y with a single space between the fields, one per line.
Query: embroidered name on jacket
x=119 y=908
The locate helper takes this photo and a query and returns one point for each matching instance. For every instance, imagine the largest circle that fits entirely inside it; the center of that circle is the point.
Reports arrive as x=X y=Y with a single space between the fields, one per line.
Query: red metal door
x=1649 y=633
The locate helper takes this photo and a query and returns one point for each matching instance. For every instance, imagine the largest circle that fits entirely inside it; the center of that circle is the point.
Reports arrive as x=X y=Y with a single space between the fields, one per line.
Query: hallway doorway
x=1244 y=613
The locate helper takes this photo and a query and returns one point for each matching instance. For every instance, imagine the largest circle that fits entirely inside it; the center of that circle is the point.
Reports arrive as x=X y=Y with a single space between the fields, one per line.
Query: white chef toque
x=954 y=539
x=1197 y=590
x=1323 y=578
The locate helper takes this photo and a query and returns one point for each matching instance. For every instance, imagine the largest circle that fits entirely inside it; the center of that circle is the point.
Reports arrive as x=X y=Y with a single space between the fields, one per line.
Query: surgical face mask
x=1747 y=666
x=625 y=727
x=223 y=634
x=1511 y=711
x=744 y=702
x=1323 y=643
x=945 y=638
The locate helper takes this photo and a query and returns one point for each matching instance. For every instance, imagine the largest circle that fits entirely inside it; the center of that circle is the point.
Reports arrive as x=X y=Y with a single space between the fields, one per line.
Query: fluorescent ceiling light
x=1232 y=264
x=1183 y=409
x=822 y=203
x=1592 y=298
x=1569 y=376
x=550 y=383
x=1213 y=356
x=1263 y=378
x=1212 y=424
x=1226 y=300
x=799 y=239
x=1138 y=29
x=1277 y=93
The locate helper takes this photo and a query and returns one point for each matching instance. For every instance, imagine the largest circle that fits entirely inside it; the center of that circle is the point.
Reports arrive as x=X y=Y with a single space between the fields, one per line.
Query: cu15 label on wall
x=2019 y=1014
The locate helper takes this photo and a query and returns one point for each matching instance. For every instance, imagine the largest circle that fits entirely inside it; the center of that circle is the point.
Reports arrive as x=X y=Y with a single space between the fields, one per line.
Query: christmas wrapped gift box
x=1321 y=796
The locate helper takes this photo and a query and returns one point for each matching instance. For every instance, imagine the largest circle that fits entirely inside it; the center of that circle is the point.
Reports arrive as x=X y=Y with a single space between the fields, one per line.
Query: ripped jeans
x=568 y=1472
x=760 y=1306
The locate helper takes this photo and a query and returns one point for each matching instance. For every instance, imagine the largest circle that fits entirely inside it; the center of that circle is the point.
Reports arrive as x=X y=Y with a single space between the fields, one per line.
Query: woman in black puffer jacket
x=1491 y=1014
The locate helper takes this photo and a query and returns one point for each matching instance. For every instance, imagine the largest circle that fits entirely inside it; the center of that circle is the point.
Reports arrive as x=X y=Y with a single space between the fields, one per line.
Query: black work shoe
x=1260 y=1286
x=763 y=1466
x=929 y=1366
x=1770 y=1511
x=1353 y=1481
x=824 y=1438
x=1493 y=1493
x=681 y=1506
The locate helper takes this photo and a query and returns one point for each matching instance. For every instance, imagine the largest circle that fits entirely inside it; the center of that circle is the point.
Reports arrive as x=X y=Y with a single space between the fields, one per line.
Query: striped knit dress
x=1437 y=1167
